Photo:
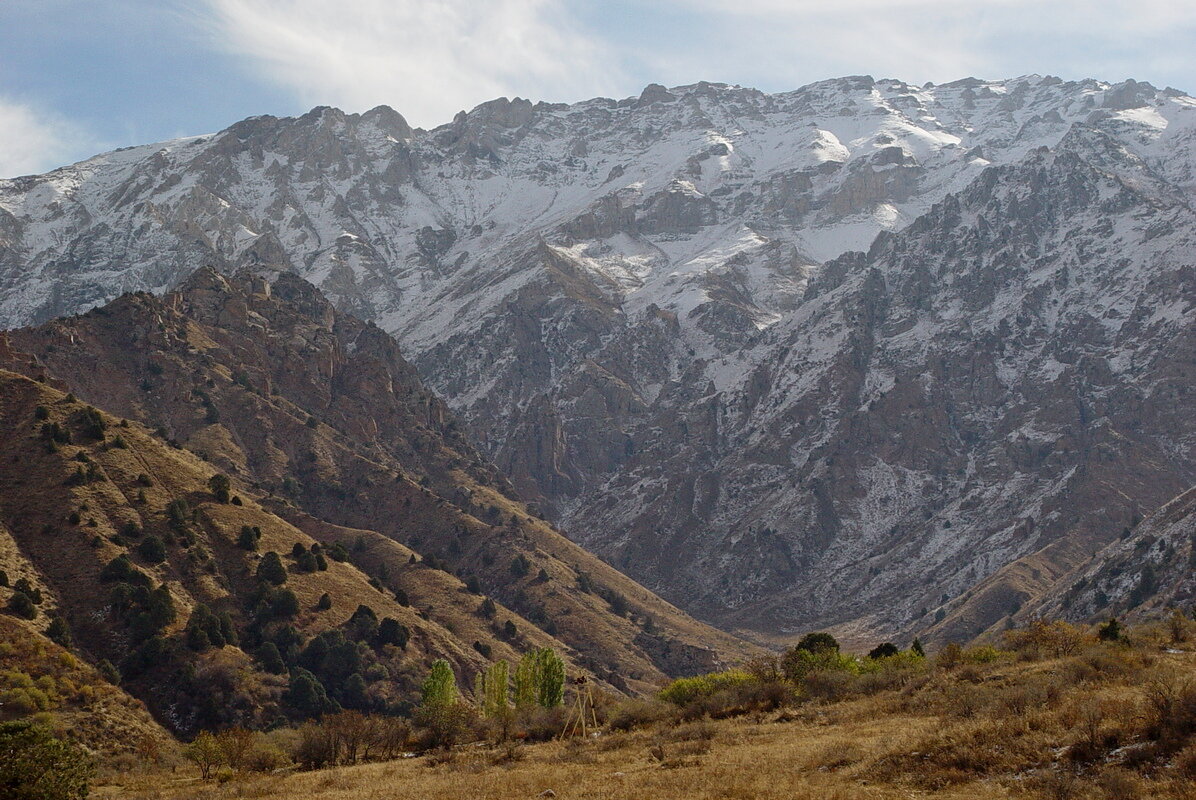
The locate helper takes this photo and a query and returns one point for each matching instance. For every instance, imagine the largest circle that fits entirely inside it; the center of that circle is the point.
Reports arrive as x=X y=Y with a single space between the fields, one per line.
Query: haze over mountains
x=649 y=315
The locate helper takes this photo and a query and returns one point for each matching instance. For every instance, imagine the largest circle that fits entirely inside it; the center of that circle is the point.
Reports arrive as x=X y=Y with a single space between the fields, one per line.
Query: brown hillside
x=318 y=412
x=60 y=532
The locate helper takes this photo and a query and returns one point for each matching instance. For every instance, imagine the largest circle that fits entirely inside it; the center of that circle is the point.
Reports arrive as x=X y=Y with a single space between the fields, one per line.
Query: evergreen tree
x=271 y=569
x=354 y=693
x=21 y=605
x=221 y=487
x=36 y=765
x=59 y=632
x=247 y=540
x=1110 y=631
x=917 y=649
x=307 y=697
x=885 y=650
x=390 y=631
x=270 y=658
x=152 y=549
x=818 y=643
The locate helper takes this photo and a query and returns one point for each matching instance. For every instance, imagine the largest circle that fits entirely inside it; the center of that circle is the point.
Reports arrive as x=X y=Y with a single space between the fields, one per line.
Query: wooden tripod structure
x=582 y=716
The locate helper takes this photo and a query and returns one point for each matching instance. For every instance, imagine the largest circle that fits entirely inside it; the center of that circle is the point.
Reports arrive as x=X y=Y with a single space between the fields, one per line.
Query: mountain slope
x=317 y=413
x=1145 y=571
x=119 y=534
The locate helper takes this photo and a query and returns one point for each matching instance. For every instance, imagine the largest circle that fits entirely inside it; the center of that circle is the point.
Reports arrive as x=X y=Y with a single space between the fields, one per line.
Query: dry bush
x=509 y=753
x=641 y=712
x=836 y=755
x=1047 y=639
x=1093 y=721
x=1054 y=784
x=1185 y=762
x=316 y=746
x=830 y=685
x=577 y=751
x=963 y=753
x=700 y=731
x=1171 y=708
x=1120 y=784
x=538 y=724
x=966 y=700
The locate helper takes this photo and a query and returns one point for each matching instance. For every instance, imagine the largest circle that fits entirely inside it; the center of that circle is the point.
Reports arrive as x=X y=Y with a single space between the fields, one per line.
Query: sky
x=78 y=77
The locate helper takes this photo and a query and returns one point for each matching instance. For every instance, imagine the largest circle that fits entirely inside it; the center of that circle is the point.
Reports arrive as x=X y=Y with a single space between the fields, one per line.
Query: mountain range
x=884 y=358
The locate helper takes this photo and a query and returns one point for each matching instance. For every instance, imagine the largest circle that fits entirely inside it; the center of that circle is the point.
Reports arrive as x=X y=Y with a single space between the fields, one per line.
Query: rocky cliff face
x=642 y=311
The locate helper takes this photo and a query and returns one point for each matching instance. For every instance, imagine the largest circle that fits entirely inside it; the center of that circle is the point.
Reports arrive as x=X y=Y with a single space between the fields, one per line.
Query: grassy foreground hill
x=1055 y=713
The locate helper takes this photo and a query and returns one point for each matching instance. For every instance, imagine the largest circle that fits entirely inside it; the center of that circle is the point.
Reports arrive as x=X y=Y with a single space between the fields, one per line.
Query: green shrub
x=21 y=605
x=884 y=650
x=248 y=538
x=221 y=487
x=152 y=549
x=798 y=663
x=35 y=765
x=684 y=691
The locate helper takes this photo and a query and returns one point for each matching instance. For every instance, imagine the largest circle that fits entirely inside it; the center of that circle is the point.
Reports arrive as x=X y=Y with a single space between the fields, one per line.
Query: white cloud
x=33 y=142
x=919 y=40
x=426 y=58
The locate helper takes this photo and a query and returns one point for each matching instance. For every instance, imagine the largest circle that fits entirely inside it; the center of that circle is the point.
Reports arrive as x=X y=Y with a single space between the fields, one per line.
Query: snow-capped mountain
x=643 y=310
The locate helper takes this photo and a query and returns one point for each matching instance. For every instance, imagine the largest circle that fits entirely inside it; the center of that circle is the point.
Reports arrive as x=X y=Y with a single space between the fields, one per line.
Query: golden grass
x=743 y=761
x=1066 y=728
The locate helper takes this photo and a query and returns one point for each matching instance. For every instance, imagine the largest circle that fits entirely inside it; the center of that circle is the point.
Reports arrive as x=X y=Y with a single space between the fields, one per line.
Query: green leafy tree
x=493 y=689
x=917 y=649
x=440 y=687
x=36 y=765
x=205 y=753
x=441 y=713
x=540 y=679
x=818 y=643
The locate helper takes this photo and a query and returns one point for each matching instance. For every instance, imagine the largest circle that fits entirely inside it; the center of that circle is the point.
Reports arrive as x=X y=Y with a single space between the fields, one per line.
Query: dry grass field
x=1101 y=720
